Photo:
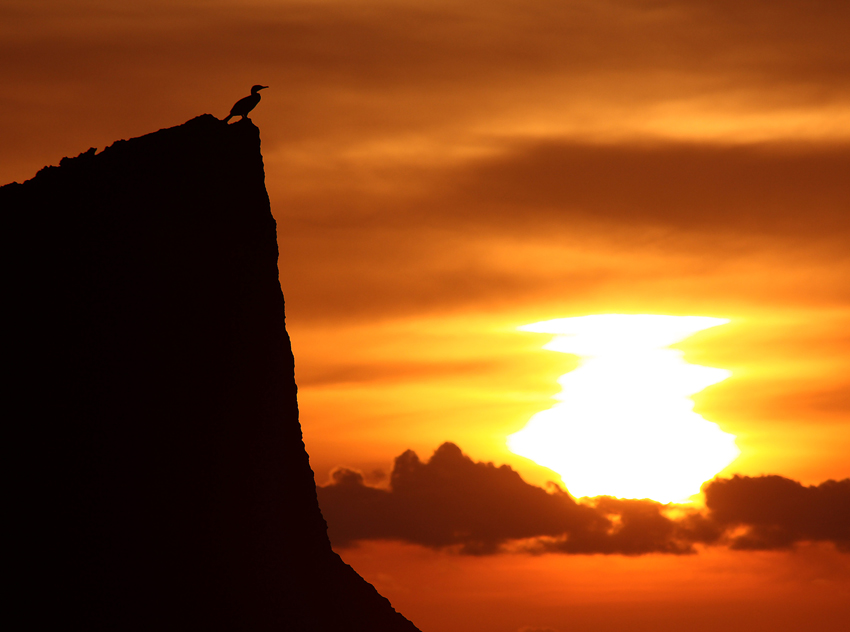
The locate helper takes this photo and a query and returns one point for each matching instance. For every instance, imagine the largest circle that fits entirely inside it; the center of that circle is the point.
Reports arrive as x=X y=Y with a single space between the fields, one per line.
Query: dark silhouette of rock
x=160 y=479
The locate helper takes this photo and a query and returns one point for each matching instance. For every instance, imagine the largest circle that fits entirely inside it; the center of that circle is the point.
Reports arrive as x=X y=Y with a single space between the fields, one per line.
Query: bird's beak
x=263 y=87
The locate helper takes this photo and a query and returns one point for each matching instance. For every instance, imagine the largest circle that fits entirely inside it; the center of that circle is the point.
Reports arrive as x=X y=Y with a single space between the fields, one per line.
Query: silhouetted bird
x=243 y=106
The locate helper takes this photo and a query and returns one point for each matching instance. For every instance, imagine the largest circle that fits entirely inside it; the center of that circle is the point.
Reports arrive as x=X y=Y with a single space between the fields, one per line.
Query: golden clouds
x=366 y=74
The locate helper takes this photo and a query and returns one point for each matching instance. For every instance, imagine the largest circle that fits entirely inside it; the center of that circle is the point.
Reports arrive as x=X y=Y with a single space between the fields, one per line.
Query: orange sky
x=443 y=172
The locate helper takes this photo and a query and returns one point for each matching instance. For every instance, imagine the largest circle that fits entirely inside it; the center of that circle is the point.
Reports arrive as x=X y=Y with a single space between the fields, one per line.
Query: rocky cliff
x=162 y=482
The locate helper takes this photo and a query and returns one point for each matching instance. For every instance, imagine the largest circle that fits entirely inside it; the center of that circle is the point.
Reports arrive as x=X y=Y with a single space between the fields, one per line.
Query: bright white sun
x=624 y=425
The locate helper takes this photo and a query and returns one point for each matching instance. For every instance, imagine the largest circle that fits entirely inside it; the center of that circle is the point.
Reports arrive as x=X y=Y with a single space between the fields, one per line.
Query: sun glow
x=624 y=425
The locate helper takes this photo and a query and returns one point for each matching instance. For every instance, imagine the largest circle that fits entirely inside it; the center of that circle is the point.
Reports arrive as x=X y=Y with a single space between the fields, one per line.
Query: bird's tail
x=228 y=117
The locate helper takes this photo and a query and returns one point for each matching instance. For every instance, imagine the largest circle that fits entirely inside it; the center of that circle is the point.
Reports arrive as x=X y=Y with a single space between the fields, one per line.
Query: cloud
x=449 y=501
x=776 y=512
x=347 y=73
x=452 y=502
x=568 y=221
x=756 y=189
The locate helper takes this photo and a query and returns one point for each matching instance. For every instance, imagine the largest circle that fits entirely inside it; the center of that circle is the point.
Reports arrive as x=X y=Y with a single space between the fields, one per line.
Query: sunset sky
x=443 y=173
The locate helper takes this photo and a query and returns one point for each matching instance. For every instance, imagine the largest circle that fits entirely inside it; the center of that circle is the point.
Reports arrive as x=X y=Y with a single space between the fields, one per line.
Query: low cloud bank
x=776 y=512
x=453 y=502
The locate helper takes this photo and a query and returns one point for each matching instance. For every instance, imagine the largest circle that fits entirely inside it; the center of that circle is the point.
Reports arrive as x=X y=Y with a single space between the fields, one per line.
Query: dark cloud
x=511 y=230
x=379 y=43
x=451 y=501
x=759 y=189
x=725 y=214
x=776 y=512
x=632 y=527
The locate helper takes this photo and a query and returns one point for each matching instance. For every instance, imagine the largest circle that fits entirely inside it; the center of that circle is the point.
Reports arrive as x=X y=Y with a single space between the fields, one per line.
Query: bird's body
x=243 y=106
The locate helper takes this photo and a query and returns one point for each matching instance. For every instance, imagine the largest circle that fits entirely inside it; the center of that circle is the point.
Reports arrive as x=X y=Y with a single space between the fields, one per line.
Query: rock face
x=164 y=484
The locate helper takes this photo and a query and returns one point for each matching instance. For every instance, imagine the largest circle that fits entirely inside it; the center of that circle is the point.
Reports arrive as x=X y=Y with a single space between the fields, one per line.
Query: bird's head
x=257 y=88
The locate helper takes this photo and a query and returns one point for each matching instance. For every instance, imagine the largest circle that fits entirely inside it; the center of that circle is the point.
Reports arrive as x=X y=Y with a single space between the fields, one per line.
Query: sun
x=624 y=423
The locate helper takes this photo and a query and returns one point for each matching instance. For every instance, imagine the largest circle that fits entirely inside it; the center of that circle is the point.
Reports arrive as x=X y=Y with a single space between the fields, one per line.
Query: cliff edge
x=162 y=482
